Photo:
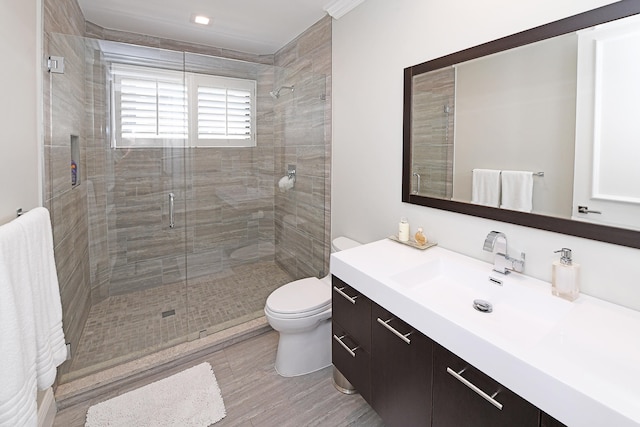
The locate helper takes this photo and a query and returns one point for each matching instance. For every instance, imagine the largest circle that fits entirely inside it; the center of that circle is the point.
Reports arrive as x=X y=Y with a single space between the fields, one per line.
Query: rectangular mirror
x=536 y=129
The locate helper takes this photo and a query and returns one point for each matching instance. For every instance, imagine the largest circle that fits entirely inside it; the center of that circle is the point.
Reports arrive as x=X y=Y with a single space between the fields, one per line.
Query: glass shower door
x=159 y=239
x=115 y=157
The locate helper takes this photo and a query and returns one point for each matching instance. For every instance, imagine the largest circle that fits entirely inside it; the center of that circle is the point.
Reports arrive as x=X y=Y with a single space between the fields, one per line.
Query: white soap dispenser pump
x=566 y=276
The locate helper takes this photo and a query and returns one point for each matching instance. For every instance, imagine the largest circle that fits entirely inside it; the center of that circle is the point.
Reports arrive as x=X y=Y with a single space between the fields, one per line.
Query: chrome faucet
x=502 y=263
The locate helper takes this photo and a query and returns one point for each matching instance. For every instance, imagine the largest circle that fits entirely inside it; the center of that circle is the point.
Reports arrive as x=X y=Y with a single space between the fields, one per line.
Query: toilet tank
x=342 y=243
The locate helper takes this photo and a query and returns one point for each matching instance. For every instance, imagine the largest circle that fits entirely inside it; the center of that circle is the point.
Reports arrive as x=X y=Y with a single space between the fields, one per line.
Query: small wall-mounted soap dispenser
x=565 y=281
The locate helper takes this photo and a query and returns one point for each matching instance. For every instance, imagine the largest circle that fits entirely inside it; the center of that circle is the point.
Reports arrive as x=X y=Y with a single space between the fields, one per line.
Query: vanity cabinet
x=401 y=359
x=410 y=380
x=464 y=396
x=351 y=342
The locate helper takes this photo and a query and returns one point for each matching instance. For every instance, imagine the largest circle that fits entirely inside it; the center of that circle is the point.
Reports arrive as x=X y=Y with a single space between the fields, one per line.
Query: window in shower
x=165 y=108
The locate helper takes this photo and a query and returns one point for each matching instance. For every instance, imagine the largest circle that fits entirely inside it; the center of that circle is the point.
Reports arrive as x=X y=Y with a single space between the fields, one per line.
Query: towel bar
x=541 y=174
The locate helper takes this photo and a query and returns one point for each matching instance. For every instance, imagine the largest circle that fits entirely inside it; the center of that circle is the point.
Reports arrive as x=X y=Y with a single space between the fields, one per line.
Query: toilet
x=301 y=313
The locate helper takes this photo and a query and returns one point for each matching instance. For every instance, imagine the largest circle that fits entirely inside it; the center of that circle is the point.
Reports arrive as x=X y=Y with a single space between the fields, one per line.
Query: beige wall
x=372 y=45
x=20 y=35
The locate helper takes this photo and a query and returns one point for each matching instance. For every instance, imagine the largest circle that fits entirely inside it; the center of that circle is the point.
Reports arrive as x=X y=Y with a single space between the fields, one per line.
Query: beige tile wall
x=303 y=138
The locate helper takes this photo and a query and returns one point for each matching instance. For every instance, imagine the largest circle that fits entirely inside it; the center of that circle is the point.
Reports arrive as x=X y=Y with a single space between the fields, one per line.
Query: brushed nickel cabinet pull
x=476 y=389
x=352 y=351
x=403 y=337
x=352 y=300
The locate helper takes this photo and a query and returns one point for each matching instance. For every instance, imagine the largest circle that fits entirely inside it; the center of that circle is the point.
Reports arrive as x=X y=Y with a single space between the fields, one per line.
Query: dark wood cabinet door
x=456 y=404
x=352 y=311
x=351 y=342
x=401 y=369
x=351 y=360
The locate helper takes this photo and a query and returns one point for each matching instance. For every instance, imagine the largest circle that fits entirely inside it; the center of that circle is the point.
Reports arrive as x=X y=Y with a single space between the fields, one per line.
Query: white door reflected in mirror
x=607 y=158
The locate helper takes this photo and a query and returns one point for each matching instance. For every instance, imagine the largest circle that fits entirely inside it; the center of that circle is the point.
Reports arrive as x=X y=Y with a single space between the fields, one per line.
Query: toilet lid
x=301 y=296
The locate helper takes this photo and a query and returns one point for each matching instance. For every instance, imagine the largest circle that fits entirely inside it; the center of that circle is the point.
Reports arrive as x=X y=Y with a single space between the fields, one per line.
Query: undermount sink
x=523 y=311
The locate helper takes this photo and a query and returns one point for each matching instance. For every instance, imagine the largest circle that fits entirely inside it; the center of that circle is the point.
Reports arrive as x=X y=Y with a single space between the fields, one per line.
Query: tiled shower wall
x=223 y=197
x=303 y=138
x=231 y=214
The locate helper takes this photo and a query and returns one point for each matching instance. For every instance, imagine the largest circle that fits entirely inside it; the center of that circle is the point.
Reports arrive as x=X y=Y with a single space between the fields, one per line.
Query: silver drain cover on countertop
x=482 y=305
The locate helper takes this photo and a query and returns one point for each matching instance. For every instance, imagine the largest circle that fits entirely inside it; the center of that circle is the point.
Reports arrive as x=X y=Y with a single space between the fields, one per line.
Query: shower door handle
x=171 y=210
x=417 y=190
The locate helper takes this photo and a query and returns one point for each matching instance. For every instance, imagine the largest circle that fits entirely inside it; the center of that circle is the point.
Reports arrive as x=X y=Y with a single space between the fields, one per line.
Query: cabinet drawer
x=352 y=311
x=352 y=360
x=458 y=390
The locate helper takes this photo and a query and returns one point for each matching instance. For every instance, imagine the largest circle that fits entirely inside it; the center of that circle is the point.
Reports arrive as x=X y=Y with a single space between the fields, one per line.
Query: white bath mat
x=190 y=398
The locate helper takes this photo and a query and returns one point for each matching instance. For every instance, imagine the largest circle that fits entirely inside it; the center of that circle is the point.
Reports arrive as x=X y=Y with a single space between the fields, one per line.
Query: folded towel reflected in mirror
x=517 y=190
x=485 y=189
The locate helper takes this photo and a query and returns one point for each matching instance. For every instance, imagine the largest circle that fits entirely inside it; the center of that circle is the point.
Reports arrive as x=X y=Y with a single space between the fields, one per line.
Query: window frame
x=190 y=82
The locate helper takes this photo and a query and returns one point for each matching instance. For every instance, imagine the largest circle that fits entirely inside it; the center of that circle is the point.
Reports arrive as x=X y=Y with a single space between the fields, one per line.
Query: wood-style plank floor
x=255 y=395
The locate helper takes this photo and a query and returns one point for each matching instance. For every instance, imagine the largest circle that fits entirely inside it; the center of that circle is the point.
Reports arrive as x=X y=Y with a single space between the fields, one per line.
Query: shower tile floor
x=125 y=327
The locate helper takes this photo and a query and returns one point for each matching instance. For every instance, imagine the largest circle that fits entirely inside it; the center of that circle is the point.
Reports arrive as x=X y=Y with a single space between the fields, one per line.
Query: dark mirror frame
x=603 y=233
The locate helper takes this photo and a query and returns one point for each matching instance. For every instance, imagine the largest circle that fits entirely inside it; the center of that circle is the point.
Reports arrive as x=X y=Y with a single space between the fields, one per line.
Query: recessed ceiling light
x=200 y=19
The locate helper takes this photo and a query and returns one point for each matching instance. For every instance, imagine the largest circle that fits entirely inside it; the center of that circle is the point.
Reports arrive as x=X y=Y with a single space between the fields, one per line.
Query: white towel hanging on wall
x=517 y=190
x=31 y=335
x=17 y=330
x=51 y=346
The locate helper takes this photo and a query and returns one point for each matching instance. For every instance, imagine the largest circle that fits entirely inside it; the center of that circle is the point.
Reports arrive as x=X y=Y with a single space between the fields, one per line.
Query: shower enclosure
x=161 y=176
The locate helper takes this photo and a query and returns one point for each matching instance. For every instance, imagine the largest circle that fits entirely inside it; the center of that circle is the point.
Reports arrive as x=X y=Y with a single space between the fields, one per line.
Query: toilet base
x=304 y=352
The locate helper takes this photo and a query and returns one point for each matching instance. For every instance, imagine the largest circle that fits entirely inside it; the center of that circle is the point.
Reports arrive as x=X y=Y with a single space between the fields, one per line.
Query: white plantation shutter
x=159 y=108
x=225 y=111
x=150 y=107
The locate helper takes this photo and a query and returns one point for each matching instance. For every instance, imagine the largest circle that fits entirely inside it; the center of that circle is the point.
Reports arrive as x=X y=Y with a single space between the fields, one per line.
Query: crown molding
x=338 y=8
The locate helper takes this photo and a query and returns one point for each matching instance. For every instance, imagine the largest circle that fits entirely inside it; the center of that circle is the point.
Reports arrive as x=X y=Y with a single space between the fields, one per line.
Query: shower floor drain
x=168 y=313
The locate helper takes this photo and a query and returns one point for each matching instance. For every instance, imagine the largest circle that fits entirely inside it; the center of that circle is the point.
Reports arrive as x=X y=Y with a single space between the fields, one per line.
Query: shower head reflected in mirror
x=275 y=94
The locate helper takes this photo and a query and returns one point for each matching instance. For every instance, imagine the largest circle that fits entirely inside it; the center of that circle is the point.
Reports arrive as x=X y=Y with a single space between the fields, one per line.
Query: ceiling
x=250 y=26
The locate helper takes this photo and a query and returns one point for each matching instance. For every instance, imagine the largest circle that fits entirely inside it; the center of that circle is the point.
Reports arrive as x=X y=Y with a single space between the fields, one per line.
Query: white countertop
x=583 y=368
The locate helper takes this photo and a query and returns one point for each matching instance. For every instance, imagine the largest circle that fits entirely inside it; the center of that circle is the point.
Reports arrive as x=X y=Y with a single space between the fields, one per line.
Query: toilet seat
x=300 y=298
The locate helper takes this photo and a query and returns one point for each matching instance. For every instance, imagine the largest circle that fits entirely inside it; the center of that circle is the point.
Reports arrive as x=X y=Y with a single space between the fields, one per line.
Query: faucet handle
x=518 y=264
